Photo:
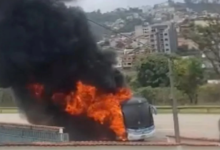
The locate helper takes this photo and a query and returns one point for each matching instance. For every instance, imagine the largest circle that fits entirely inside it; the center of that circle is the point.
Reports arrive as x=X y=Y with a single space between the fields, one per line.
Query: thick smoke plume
x=43 y=41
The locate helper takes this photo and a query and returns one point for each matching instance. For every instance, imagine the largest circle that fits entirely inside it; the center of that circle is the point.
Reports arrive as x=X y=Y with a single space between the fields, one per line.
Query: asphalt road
x=191 y=125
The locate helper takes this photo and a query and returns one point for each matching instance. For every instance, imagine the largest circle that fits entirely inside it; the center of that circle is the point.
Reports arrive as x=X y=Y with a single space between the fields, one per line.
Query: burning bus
x=60 y=77
x=138 y=118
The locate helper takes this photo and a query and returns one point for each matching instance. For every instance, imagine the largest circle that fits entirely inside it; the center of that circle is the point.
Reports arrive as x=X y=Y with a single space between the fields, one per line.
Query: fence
x=21 y=133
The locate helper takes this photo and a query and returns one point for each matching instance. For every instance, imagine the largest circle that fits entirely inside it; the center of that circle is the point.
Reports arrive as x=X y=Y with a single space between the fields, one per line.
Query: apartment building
x=129 y=58
x=161 y=38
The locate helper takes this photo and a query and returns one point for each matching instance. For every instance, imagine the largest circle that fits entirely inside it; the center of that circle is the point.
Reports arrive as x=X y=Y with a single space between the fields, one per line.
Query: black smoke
x=43 y=41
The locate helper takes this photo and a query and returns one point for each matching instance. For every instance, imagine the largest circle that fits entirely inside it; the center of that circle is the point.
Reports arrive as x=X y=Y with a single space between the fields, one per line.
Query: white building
x=146 y=9
x=161 y=38
x=119 y=62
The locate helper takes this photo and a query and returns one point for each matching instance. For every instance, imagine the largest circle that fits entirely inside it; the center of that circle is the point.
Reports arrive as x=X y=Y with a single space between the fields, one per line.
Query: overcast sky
x=109 y=5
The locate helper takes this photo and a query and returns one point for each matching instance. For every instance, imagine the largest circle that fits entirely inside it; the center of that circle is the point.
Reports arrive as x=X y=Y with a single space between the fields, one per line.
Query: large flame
x=88 y=100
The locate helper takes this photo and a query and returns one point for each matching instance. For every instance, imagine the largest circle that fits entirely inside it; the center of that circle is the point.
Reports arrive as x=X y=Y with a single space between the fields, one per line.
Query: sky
x=109 y=5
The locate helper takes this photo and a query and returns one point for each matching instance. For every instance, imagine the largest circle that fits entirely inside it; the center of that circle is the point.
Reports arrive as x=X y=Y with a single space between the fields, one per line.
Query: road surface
x=191 y=125
x=113 y=148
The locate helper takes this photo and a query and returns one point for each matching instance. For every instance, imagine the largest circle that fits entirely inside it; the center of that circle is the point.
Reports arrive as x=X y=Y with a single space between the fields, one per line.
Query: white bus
x=138 y=118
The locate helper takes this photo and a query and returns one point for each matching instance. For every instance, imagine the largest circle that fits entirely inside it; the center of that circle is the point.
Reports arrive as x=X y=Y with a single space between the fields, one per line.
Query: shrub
x=6 y=99
x=161 y=95
x=209 y=93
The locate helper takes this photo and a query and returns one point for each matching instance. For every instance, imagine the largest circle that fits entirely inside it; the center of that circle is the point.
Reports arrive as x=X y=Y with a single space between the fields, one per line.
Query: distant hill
x=98 y=31
x=212 y=6
x=112 y=17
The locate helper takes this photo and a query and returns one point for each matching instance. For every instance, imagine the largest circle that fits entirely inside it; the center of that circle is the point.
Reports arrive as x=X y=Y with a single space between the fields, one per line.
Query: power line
x=103 y=26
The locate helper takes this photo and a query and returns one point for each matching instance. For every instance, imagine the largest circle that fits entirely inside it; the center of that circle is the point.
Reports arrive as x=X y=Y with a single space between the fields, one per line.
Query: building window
x=152 y=45
x=161 y=39
x=153 y=30
x=152 y=40
x=167 y=44
x=167 y=49
x=166 y=39
x=165 y=33
x=151 y=35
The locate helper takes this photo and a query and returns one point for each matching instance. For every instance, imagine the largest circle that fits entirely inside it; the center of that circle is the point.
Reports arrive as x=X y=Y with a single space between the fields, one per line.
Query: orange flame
x=102 y=107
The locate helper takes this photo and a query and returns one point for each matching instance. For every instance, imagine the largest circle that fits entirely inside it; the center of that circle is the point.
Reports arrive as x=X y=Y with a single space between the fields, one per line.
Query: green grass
x=160 y=111
x=191 y=111
x=7 y=111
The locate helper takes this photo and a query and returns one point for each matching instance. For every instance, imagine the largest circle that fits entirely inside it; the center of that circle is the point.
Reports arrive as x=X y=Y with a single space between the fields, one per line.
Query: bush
x=6 y=99
x=209 y=94
x=161 y=96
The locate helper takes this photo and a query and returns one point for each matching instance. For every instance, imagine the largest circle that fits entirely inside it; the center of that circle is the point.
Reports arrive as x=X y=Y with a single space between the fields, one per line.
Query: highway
x=191 y=125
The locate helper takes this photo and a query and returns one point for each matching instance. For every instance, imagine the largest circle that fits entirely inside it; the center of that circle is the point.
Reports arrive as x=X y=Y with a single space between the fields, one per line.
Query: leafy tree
x=152 y=71
x=132 y=81
x=189 y=76
x=208 y=39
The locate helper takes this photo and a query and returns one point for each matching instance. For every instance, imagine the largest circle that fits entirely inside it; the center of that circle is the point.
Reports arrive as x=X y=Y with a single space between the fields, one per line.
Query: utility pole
x=174 y=103
x=219 y=128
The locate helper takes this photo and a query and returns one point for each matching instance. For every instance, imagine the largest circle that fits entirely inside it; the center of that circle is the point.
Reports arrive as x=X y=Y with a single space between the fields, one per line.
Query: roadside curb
x=201 y=139
x=110 y=143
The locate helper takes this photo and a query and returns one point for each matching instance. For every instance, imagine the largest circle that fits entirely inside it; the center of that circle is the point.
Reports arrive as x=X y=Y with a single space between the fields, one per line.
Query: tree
x=152 y=71
x=208 y=39
x=189 y=76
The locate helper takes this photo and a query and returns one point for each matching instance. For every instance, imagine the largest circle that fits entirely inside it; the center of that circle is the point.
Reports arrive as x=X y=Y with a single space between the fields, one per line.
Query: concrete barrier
x=22 y=133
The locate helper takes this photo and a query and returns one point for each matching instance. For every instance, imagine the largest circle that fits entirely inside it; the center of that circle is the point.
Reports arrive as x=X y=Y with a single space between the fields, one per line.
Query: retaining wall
x=22 y=133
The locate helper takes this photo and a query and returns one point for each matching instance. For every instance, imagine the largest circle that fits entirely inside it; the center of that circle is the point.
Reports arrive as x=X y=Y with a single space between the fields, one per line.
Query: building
x=128 y=60
x=161 y=38
x=130 y=56
x=146 y=9
x=187 y=42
